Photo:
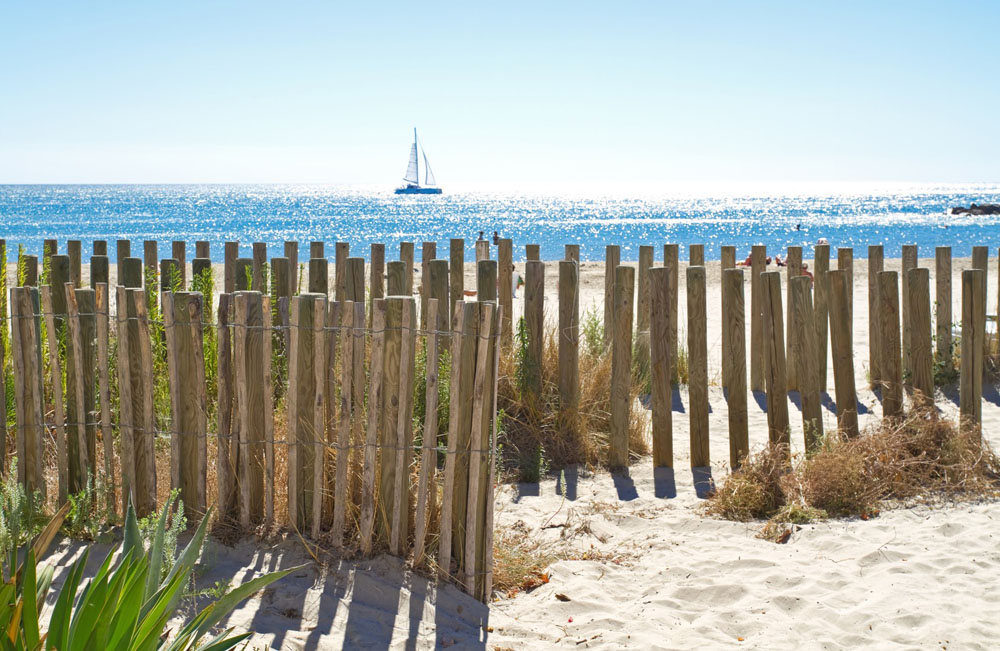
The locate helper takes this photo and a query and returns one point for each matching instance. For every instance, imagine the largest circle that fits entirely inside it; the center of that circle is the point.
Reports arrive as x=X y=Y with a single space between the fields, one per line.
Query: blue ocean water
x=275 y=213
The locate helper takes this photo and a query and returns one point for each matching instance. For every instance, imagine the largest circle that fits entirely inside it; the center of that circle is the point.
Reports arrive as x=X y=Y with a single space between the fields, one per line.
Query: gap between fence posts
x=890 y=345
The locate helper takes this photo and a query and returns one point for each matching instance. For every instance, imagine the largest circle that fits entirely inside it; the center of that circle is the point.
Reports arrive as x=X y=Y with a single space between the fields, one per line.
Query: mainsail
x=412 y=175
x=428 y=174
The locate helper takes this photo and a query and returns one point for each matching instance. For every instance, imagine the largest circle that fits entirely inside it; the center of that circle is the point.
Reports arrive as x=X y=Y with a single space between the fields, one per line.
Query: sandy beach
x=641 y=567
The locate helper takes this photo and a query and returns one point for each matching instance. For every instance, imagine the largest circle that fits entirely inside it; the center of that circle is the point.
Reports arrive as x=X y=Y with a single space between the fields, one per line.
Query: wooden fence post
x=456 y=265
x=74 y=251
x=306 y=372
x=260 y=280
x=660 y=363
x=62 y=445
x=203 y=249
x=981 y=260
x=292 y=253
x=505 y=290
x=123 y=249
x=875 y=266
x=942 y=317
x=671 y=260
x=621 y=367
x=104 y=389
x=352 y=316
x=845 y=262
x=376 y=282
x=698 y=366
x=890 y=362
x=612 y=258
x=534 y=317
x=821 y=264
x=572 y=252
x=319 y=269
x=401 y=442
x=909 y=262
x=569 y=345
x=182 y=316
x=231 y=251
x=428 y=252
x=803 y=321
x=395 y=278
x=843 y=355
x=244 y=274
x=727 y=260
x=144 y=421
x=642 y=311
x=342 y=251
x=228 y=450
x=317 y=249
x=696 y=255
x=178 y=251
x=774 y=358
x=406 y=257
x=438 y=270
x=486 y=280
x=99 y=270
x=426 y=485
x=480 y=496
x=734 y=348
x=758 y=266
x=454 y=494
x=28 y=391
x=532 y=252
x=921 y=355
x=793 y=264
x=100 y=247
x=80 y=374
x=482 y=250
x=971 y=368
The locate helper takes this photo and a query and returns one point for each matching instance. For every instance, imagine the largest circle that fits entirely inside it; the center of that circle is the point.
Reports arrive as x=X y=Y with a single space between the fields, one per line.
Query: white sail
x=428 y=174
x=411 y=169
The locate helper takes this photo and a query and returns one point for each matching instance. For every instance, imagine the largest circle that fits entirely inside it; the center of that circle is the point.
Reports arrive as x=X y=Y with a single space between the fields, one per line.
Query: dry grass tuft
x=519 y=561
x=536 y=433
x=919 y=457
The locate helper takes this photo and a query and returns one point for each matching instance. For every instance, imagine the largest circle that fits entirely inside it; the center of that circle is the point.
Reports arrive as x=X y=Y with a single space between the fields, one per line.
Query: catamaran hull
x=418 y=190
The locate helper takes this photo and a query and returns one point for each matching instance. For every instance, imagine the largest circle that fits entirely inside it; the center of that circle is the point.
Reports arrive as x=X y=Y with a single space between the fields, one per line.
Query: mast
x=416 y=149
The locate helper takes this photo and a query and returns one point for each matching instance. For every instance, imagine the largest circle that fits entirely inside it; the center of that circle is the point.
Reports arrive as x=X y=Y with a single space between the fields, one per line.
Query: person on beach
x=806 y=272
x=746 y=263
x=518 y=282
x=779 y=261
x=767 y=261
x=496 y=239
x=481 y=236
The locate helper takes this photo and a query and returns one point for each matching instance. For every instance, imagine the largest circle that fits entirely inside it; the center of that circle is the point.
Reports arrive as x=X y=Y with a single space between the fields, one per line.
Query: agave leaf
x=44 y=582
x=156 y=554
x=133 y=539
x=224 y=641
x=15 y=622
x=47 y=535
x=6 y=604
x=157 y=613
x=184 y=565
x=29 y=599
x=126 y=615
x=60 y=620
x=214 y=613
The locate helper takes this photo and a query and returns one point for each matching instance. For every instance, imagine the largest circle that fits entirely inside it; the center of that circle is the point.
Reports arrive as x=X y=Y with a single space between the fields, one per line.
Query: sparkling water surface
x=275 y=213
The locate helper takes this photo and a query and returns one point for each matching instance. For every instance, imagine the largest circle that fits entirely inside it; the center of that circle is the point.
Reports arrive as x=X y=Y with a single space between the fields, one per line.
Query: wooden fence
x=301 y=410
x=323 y=408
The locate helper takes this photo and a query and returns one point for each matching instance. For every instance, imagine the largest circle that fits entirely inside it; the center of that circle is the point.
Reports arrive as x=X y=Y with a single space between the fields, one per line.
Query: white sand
x=666 y=576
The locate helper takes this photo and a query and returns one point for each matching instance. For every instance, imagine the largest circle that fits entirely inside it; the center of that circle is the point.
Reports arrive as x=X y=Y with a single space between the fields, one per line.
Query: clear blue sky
x=506 y=95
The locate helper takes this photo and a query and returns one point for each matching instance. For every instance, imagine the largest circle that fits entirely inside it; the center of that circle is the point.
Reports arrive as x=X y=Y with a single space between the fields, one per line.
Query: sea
x=846 y=217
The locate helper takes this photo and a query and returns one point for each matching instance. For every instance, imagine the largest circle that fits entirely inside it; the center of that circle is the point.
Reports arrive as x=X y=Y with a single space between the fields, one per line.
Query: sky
x=507 y=96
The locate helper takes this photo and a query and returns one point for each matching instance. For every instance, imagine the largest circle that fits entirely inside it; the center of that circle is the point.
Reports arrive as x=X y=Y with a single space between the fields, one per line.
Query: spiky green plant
x=126 y=605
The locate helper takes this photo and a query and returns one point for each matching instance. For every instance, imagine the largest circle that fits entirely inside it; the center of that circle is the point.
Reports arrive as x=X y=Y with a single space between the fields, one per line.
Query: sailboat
x=412 y=177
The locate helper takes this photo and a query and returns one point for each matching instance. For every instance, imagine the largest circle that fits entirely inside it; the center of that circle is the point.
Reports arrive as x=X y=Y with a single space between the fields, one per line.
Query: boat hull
x=418 y=190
